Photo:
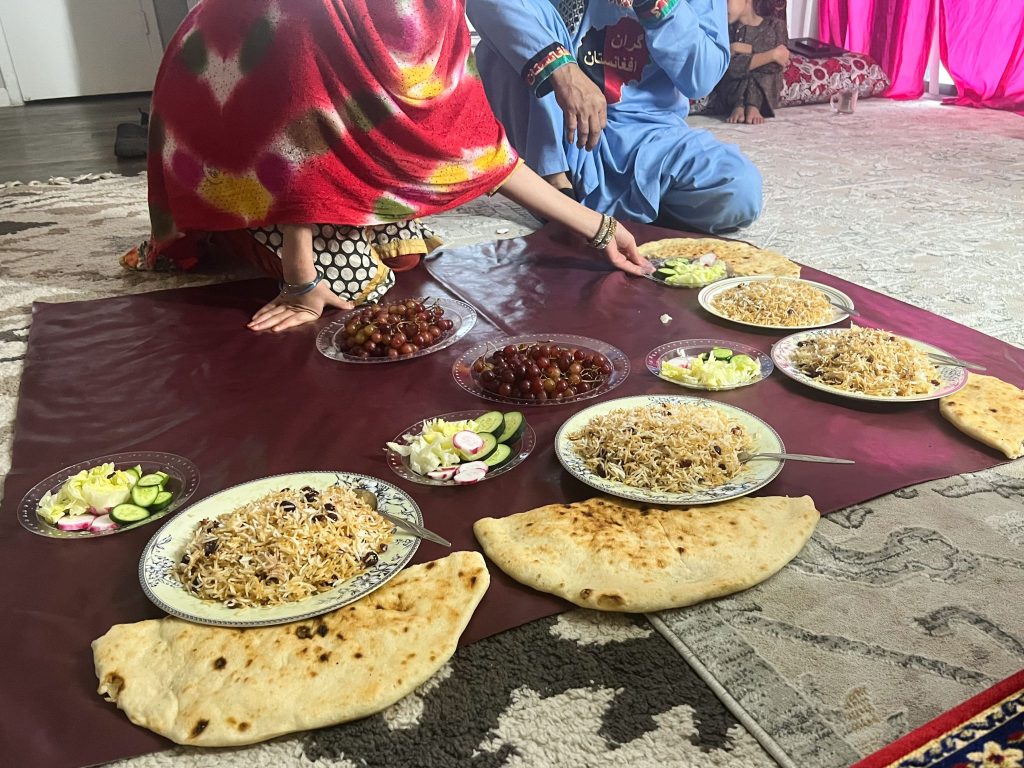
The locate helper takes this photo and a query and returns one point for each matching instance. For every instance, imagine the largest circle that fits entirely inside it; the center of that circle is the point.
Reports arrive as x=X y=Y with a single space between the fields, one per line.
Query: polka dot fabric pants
x=349 y=257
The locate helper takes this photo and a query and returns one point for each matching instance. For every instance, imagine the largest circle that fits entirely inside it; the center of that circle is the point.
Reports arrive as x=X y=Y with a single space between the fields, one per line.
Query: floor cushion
x=814 y=81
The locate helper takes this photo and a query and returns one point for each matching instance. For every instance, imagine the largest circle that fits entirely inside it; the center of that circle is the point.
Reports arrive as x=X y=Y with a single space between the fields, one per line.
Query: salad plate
x=92 y=492
x=709 y=364
x=332 y=339
x=686 y=272
x=167 y=546
x=752 y=476
x=429 y=446
x=541 y=369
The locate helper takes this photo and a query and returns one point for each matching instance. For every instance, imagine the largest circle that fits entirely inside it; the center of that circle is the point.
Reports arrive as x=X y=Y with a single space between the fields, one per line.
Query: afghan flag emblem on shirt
x=614 y=56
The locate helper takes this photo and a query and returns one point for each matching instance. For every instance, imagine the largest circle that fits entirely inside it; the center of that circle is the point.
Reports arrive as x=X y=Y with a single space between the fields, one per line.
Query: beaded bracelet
x=300 y=289
x=613 y=225
x=601 y=231
x=605 y=232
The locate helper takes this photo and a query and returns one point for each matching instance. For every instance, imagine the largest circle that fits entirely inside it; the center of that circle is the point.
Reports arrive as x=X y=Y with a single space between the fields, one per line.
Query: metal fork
x=956 y=362
x=844 y=308
x=745 y=456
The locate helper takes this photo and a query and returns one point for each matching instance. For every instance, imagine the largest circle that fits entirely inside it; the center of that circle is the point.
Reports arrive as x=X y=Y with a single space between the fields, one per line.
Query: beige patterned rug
x=899 y=606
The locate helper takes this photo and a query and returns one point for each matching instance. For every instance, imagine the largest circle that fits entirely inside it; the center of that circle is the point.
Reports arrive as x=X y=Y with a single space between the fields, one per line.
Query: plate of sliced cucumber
x=461 y=448
x=683 y=272
x=108 y=494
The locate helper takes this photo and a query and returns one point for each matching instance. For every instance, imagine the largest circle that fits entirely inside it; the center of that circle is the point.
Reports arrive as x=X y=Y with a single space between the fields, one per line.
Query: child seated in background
x=750 y=89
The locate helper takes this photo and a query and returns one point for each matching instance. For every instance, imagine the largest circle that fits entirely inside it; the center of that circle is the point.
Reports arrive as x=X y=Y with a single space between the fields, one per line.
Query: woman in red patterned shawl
x=315 y=133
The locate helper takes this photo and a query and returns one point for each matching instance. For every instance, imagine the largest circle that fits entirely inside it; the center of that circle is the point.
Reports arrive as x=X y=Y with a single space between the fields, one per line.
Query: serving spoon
x=370 y=499
x=745 y=456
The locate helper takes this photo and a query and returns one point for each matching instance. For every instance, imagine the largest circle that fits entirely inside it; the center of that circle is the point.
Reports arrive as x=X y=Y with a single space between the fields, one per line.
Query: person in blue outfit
x=594 y=96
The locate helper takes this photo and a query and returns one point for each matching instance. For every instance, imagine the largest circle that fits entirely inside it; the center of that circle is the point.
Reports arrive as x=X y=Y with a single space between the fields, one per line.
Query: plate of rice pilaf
x=279 y=549
x=668 y=449
x=778 y=303
x=866 y=364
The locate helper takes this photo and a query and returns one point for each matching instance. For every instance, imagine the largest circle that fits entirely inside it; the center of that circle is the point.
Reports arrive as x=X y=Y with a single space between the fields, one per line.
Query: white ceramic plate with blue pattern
x=754 y=475
x=951 y=378
x=707 y=296
x=165 y=549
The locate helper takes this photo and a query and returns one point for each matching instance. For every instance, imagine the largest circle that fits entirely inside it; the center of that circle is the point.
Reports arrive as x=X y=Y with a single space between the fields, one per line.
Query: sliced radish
x=75 y=522
x=443 y=473
x=707 y=260
x=468 y=442
x=470 y=476
x=471 y=472
x=102 y=523
x=99 y=511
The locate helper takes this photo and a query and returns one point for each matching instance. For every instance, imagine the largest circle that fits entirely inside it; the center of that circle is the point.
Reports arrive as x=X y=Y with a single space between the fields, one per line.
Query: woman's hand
x=623 y=253
x=741 y=49
x=289 y=311
x=528 y=189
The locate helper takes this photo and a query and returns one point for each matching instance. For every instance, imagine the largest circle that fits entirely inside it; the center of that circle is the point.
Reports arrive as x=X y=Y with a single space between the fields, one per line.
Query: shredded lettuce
x=100 y=488
x=432 y=447
x=739 y=369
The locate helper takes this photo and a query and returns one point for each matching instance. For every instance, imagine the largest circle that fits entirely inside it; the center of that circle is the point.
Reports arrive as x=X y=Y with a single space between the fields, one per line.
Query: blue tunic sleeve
x=528 y=34
x=689 y=40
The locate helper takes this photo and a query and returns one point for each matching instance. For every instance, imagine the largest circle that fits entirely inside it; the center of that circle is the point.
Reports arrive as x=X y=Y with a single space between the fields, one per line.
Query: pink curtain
x=895 y=33
x=984 y=52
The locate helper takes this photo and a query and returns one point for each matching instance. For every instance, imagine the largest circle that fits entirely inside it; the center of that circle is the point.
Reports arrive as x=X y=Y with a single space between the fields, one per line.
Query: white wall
x=802 y=18
x=10 y=94
x=169 y=14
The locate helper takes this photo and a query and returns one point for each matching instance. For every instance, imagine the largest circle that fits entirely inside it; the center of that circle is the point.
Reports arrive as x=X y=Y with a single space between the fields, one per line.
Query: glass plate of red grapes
x=541 y=369
x=398 y=329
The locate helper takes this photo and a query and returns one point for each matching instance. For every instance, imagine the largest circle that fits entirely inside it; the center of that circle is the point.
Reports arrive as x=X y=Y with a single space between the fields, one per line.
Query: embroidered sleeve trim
x=538 y=70
x=653 y=12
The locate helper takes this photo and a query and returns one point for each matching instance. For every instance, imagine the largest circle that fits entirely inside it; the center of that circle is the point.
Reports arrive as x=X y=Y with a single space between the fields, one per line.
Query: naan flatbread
x=614 y=555
x=743 y=259
x=217 y=687
x=991 y=411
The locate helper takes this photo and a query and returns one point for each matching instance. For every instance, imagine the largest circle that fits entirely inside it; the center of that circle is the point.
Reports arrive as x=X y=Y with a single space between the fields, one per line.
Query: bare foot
x=754 y=116
x=736 y=116
x=558 y=180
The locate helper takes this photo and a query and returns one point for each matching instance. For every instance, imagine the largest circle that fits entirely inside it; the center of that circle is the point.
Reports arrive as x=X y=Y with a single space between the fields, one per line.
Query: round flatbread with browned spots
x=991 y=411
x=615 y=555
x=743 y=259
x=217 y=687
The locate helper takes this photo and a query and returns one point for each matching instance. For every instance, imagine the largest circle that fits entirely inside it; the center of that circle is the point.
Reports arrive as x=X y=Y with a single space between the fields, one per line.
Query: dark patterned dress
x=742 y=86
x=356 y=261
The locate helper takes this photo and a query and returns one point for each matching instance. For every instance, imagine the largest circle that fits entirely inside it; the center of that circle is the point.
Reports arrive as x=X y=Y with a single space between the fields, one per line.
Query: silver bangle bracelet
x=300 y=289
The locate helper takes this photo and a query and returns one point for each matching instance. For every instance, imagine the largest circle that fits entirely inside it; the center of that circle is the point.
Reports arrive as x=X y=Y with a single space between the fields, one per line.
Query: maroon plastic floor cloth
x=177 y=371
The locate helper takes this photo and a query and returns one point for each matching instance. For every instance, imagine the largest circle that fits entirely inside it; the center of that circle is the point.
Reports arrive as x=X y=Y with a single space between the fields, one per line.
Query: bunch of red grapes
x=541 y=371
x=393 y=330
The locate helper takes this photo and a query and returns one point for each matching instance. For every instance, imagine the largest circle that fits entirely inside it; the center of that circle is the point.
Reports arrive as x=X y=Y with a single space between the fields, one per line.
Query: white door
x=64 y=48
